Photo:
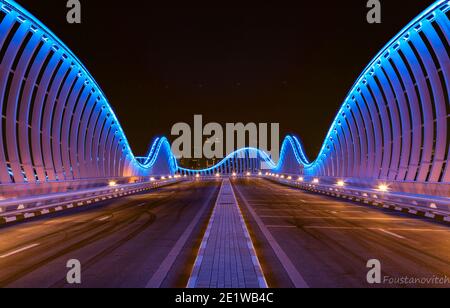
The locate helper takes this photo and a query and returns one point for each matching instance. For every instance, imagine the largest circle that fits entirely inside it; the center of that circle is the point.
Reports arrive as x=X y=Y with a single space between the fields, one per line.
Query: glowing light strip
x=294 y=142
x=163 y=143
x=369 y=67
x=11 y=5
x=289 y=140
x=154 y=155
x=265 y=157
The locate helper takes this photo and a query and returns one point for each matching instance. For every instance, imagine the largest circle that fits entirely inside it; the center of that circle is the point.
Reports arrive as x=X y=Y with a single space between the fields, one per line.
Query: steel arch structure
x=56 y=124
x=241 y=161
x=394 y=125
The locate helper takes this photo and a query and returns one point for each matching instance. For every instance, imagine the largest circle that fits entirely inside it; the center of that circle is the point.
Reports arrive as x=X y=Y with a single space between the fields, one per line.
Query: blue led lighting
x=346 y=131
x=401 y=35
x=256 y=152
x=378 y=132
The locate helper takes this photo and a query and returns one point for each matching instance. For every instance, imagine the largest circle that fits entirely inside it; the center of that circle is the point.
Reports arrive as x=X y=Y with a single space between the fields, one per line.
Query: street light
x=316 y=181
x=383 y=188
x=112 y=183
x=340 y=183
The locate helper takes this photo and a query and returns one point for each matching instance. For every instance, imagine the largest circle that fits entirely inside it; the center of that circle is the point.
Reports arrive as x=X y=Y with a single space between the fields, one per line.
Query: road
x=123 y=243
x=329 y=242
x=152 y=240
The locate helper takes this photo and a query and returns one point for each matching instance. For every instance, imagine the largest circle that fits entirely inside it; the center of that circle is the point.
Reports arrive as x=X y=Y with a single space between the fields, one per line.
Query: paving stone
x=227 y=258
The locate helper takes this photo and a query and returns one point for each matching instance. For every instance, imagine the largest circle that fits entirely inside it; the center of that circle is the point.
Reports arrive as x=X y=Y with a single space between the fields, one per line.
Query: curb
x=201 y=252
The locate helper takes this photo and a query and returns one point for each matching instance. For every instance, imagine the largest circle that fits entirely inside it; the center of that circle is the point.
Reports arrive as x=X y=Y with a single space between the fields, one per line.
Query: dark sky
x=161 y=63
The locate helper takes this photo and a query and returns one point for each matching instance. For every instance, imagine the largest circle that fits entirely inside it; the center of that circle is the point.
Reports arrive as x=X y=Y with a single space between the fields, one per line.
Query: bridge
x=72 y=188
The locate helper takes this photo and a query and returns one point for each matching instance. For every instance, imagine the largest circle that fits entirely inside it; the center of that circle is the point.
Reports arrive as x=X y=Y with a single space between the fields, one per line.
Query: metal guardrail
x=59 y=201
x=427 y=206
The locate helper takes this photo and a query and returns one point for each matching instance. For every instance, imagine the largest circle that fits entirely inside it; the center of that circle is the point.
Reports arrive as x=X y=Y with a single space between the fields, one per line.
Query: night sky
x=161 y=63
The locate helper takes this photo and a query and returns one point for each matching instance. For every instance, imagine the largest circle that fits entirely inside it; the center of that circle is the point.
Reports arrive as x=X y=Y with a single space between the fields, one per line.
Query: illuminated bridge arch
x=394 y=124
x=58 y=127
x=56 y=124
x=241 y=161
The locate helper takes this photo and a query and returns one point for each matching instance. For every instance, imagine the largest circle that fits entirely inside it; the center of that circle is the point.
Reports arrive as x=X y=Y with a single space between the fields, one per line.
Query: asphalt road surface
x=137 y=241
x=151 y=240
x=328 y=242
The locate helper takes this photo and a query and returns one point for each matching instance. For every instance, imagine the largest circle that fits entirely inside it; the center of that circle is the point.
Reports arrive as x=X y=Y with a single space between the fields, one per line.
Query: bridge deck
x=227 y=258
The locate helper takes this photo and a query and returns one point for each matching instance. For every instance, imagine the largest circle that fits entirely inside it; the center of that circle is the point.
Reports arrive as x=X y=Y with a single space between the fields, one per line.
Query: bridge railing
x=429 y=206
x=33 y=206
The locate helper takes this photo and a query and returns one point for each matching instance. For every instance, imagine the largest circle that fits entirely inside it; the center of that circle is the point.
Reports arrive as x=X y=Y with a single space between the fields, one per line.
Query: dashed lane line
x=12 y=253
x=392 y=233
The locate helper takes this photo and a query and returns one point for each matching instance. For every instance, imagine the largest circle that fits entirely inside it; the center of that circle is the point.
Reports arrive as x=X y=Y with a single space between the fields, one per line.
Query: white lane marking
x=298 y=203
x=142 y=204
x=160 y=275
x=305 y=210
x=200 y=255
x=257 y=265
x=104 y=218
x=392 y=233
x=295 y=276
x=18 y=251
x=338 y=218
x=388 y=229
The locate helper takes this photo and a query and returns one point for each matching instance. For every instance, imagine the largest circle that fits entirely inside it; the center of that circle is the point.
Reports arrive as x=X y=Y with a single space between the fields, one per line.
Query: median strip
x=227 y=257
